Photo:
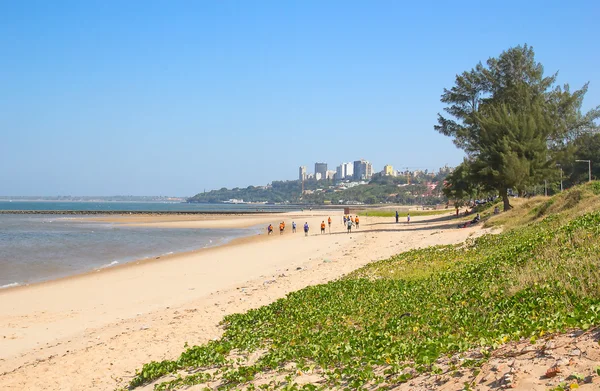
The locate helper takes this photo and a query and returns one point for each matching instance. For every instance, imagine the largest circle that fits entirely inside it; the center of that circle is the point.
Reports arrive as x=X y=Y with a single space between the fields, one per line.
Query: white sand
x=92 y=331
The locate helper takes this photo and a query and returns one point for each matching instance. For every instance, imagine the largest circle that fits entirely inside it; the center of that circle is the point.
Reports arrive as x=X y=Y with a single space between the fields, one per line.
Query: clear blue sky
x=173 y=97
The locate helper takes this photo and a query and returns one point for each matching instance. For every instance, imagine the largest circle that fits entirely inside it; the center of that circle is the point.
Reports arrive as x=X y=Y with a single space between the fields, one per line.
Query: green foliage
x=586 y=146
x=378 y=191
x=595 y=187
x=460 y=187
x=279 y=191
x=181 y=382
x=512 y=146
x=512 y=123
x=410 y=310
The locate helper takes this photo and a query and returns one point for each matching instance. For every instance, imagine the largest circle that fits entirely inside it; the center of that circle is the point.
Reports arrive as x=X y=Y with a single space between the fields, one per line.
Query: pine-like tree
x=510 y=121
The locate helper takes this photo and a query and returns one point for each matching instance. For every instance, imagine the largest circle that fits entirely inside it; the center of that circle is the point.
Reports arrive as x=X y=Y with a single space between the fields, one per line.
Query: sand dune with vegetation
x=92 y=331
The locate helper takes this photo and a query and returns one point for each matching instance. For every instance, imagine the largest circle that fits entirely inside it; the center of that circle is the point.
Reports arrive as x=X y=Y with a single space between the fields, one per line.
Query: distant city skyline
x=357 y=170
x=149 y=98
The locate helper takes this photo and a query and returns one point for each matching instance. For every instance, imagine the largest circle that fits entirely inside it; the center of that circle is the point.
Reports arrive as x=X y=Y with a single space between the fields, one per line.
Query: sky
x=104 y=97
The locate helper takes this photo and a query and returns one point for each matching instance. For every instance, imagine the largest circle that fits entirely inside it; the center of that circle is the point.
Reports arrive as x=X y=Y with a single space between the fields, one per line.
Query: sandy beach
x=90 y=332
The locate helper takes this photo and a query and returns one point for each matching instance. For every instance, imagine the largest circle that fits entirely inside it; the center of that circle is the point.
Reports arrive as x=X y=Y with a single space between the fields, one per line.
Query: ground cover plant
x=388 y=321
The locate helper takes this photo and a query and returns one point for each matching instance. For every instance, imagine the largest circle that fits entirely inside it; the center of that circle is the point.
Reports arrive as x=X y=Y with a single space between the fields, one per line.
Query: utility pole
x=561 y=177
x=589 y=162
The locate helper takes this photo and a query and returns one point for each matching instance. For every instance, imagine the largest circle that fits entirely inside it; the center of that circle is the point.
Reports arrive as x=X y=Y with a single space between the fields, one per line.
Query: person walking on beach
x=397 y=215
x=349 y=225
x=408 y=218
x=329 y=222
x=281 y=227
x=305 y=229
x=293 y=226
x=270 y=229
x=356 y=221
x=344 y=219
x=323 y=227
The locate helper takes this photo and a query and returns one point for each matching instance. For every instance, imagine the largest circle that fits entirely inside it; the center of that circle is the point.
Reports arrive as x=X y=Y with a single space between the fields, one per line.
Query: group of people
x=349 y=222
x=282 y=228
x=475 y=220
x=323 y=225
x=407 y=217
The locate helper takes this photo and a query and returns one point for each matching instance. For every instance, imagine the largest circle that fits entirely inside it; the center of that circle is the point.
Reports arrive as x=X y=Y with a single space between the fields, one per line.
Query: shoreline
x=87 y=332
x=80 y=296
x=151 y=219
x=251 y=221
x=120 y=265
x=132 y=212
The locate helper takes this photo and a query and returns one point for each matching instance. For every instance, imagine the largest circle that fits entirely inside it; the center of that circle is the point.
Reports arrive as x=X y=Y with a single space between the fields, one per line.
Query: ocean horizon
x=138 y=206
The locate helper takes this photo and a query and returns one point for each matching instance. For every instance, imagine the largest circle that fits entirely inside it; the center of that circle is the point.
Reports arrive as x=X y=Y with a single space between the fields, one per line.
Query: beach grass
x=404 y=213
x=391 y=320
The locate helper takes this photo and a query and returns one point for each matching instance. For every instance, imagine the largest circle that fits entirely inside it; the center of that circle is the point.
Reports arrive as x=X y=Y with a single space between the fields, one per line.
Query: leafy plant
x=391 y=319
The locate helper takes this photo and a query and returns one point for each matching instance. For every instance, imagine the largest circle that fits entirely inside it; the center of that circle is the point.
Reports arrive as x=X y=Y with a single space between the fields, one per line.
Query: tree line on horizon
x=517 y=128
x=381 y=189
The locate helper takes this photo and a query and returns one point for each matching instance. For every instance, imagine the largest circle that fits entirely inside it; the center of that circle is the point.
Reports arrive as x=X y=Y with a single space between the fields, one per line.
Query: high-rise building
x=388 y=170
x=363 y=170
x=302 y=173
x=339 y=172
x=368 y=171
x=357 y=170
x=344 y=170
x=330 y=174
x=348 y=170
x=321 y=168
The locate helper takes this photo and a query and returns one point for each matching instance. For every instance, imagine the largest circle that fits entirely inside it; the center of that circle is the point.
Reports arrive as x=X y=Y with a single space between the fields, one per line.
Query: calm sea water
x=139 y=206
x=41 y=247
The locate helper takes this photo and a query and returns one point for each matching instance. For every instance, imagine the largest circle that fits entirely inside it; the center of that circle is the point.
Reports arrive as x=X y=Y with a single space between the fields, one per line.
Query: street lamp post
x=589 y=162
x=561 y=177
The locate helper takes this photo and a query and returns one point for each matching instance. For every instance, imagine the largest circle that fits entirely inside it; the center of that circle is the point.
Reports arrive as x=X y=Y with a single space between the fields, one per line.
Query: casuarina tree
x=458 y=186
x=511 y=120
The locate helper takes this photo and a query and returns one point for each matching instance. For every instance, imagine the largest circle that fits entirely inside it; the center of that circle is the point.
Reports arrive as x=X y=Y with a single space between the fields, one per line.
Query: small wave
x=11 y=285
x=169 y=253
x=113 y=263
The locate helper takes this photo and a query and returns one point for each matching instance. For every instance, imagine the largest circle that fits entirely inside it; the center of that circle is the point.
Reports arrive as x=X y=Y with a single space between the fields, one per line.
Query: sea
x=41 y=247
x=111 y=206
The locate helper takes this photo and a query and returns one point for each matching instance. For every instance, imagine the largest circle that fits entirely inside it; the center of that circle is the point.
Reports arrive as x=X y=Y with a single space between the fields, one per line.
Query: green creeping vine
x=409 y=310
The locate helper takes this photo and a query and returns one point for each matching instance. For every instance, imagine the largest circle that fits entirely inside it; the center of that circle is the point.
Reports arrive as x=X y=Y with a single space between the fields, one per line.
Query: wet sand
x=92 y=331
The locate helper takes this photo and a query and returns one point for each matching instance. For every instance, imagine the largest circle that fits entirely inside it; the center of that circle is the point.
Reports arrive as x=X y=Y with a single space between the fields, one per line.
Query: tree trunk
x=504 y=194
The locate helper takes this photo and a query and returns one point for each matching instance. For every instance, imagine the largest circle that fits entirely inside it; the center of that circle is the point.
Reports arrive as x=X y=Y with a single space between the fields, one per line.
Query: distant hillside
x=379 y=190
